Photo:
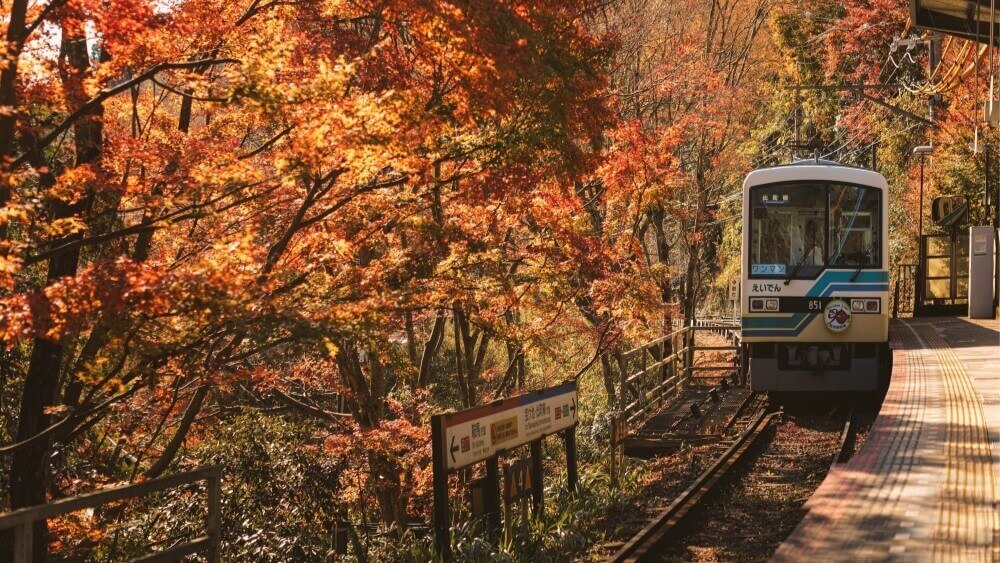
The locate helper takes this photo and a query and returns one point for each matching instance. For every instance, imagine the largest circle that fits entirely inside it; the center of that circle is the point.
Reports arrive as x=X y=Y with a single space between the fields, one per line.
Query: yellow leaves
x=338 y=8
x=92 y=86
x=331 y=348
x=14 y=213
x=94 y=372
x=72 y=184
x=332 y=75
x=660 y=272
x=582 y=224
x=9 y=268
x=65 y=227
x=342 y=247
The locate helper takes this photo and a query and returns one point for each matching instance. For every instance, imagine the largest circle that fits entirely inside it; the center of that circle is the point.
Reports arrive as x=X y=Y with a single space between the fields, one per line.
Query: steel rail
x=749 y=400
x=644 y=545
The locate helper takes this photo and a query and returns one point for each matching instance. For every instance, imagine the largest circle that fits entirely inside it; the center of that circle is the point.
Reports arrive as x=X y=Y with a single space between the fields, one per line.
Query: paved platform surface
x=924 y=486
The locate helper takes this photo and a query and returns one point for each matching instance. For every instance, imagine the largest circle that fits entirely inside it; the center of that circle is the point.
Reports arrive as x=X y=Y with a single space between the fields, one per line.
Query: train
x=814 y=279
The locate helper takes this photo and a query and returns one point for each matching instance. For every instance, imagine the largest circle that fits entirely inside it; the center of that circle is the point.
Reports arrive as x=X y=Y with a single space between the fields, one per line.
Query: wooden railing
x=658 y=369
x=23 y=520
x=904 y=292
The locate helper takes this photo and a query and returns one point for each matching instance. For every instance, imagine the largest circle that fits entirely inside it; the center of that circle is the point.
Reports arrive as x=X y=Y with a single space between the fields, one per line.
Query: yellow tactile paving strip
x=923 y=487
x=967 y=519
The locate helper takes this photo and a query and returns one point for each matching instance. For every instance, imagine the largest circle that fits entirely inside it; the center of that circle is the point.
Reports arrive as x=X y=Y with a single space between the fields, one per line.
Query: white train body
x=814 y=278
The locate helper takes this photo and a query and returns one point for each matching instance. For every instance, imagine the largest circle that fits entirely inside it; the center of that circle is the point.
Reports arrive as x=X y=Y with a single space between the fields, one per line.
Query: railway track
x=645 y=544
x=651 y=541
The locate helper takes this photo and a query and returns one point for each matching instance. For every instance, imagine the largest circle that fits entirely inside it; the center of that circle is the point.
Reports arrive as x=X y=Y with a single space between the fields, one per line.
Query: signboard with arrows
x=478 y=433
x=483 y=434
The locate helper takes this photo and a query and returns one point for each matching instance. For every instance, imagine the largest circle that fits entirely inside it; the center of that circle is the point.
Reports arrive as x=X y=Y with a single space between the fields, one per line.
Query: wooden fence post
x=214 y=525
x=22 y=543
x=442 y=519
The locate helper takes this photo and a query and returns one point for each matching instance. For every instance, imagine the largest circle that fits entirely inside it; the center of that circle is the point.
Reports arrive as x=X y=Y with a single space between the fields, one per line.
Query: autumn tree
x=215 y=205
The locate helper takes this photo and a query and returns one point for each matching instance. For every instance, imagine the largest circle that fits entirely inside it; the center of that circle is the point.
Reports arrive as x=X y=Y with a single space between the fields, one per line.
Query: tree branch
x=88 y=106
x=163 y=462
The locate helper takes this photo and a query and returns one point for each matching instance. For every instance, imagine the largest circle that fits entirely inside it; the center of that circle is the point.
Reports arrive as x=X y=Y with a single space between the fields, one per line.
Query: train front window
x=854 y=227
x=788 y=233
x=798 y=229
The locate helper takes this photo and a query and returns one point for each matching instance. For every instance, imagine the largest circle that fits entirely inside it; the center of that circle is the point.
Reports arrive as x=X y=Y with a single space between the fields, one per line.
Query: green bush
x=279 y=498
x=570 y=525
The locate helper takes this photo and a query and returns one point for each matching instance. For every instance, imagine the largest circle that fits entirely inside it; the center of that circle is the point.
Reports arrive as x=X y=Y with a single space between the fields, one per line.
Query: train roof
x=817 y=170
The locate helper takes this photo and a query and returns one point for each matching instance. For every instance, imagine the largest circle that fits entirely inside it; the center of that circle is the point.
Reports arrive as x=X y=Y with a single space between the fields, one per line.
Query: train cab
x=815 y=279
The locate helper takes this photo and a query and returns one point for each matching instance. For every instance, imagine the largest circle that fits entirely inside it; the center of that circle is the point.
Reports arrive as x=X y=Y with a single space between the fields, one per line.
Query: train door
x=943 y=275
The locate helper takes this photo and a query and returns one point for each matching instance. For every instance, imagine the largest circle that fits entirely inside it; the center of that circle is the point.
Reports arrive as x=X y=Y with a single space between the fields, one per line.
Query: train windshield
x=798 y=229
x=854 y=222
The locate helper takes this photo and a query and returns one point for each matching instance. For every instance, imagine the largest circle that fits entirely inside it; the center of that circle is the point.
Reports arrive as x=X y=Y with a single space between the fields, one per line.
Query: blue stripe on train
x=826 y=284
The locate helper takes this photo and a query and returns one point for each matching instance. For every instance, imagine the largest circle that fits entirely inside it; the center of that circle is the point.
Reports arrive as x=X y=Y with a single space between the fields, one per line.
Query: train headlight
x=865 y=306
x=761 y=304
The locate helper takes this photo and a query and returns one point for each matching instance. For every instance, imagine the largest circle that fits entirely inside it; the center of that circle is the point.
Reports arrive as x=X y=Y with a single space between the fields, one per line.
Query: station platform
x=924 y=486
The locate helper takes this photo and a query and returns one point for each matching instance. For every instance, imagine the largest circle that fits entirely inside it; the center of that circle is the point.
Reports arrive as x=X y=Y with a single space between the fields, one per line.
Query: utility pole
x=920 y=212
x=996 y=223
x=923 y=151
x=798 y=112
x=798 y=118
x=933 y=59
x=987 y=190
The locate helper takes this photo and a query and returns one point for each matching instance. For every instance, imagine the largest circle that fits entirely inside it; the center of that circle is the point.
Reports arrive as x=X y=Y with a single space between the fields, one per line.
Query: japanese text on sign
x=481 y=432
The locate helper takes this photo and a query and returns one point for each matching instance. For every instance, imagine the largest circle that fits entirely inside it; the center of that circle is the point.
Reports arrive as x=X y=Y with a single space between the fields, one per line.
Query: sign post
x=482 y=433
x=538 y=491
x=442 y=517
x=571 y=477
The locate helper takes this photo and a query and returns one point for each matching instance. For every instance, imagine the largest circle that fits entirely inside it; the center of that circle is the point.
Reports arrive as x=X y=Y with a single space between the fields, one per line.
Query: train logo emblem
x=837 y=315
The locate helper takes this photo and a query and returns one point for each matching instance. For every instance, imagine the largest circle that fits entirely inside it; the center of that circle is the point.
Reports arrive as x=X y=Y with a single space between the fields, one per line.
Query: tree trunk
x=29 y=465
x=609 y=378
x=8 y=96
x=663 y=257
x=431 y=348
x=369 y=393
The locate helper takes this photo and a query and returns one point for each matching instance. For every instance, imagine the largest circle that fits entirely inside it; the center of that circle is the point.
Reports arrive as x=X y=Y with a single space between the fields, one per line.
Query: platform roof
x=969 y=19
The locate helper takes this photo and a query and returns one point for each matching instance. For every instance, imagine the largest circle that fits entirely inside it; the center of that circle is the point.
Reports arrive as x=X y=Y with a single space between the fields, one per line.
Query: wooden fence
x=658 y=369
x=24 y=519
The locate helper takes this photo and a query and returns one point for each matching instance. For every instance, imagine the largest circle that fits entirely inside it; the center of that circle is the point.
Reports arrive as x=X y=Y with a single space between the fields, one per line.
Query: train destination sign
x=481 y=432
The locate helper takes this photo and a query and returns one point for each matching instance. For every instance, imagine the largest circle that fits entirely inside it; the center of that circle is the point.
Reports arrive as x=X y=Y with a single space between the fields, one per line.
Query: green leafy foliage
x=279 y=501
